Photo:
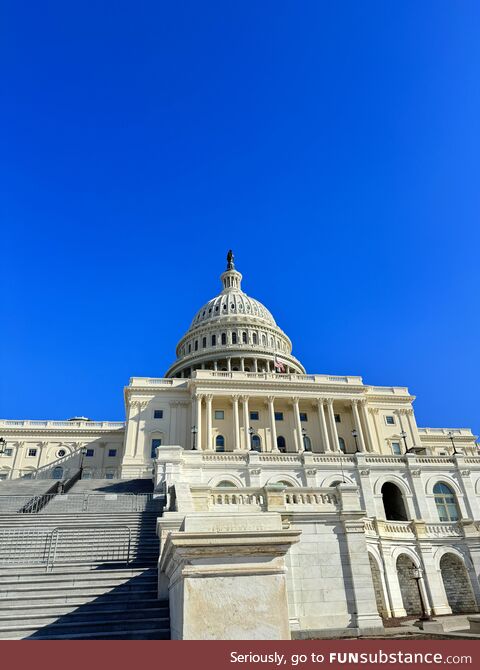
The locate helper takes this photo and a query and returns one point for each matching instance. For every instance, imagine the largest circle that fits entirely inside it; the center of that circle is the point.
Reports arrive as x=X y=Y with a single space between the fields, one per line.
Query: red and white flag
x=278 y=365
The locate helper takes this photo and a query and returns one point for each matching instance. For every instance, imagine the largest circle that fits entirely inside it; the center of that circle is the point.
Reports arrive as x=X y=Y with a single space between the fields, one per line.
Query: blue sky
x=334 y=146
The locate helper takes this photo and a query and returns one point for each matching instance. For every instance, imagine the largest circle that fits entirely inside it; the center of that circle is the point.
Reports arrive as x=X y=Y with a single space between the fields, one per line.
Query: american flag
x=278 y=365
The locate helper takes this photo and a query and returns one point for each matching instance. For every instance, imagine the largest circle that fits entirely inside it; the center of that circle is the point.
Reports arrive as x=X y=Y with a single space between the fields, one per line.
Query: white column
x=273 y=428
x=173 y=423
x=208 y=399
x=246 y=417
x=373 y=411
x=197 y=420
x=215 y=365
x=298 y=425
x=358 y=425
x=255 y=366
x=236 y=423
x=229 y=364
x=242 y=365
x=333 y=425
x=323 y=426
x=366 y=420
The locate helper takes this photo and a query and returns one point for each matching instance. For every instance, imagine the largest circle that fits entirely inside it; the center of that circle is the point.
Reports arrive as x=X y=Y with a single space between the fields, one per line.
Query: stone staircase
x=64 y=574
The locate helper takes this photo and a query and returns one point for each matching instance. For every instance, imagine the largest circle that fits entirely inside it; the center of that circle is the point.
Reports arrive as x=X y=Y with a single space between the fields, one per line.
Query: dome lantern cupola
x=234 y=332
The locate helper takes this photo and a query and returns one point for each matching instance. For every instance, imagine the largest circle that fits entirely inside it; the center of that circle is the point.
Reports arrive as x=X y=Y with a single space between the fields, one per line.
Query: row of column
x=329 y=435
x=258 y=365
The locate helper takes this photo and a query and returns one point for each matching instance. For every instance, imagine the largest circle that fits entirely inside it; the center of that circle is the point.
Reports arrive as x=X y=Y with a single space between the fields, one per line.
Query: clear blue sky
x=335 y=146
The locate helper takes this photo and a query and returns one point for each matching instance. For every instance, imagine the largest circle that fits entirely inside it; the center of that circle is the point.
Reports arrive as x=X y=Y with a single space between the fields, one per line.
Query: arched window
x=219 y=443
x=214 y=340
x=256 y=443
x=281 y=444
x=204 y=342
x=341 y=444
x=264 y=340
x=225 y=483
x=284 y=483
x=393 y=503
x=234 y=338
x=57 y=473
x=254 y=338
x=336 y=483
x=244 y=337
x=196 y=345
x=307 y=443
x=446 y=502
x=224 y=338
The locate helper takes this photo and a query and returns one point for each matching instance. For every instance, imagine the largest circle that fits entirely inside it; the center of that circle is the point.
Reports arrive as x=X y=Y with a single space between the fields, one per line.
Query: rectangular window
x=390 y=420
x=8 y=452
x=158 y=413
x=254 y=416
x=338 y=418
x=3 y=475
x=396 y=448
x=89 y=453
x=303 y=416
x=109 y=475
x=156 y=442
x=219 y=414
x=112 y=452
x=32 y=452
x=278 y=416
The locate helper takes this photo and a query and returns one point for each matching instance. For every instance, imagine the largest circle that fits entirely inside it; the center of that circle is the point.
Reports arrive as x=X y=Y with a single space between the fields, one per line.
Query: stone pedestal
x=226 y=577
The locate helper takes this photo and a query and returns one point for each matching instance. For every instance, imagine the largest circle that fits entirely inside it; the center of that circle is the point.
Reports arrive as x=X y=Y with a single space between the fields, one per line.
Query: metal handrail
x=55 y=535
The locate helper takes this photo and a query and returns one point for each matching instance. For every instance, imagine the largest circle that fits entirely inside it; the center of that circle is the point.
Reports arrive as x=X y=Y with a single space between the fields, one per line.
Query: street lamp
x=403 y=435
x=450 y=435
x=83 y=451
x=304 y=435
x=194 y=434
x=251 y=433
x=3 y=444
x=417 y=574
x=355 y=436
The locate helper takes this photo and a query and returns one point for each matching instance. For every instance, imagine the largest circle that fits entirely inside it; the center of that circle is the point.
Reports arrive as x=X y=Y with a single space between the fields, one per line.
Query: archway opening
x=408 y=585
x=219 y=443
x=256 y=444
x=457 y=584
x=393 y=503
x=57 y=473
x=281 y=444
x=225 y=483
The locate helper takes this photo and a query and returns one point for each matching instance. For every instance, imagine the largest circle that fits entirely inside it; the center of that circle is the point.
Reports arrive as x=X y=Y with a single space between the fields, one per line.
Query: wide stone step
x=94 y=588
x=91 y=616
x=73 y=597
x=136 y=633
x=65 y=581
x=100 y=627
x=18 y=608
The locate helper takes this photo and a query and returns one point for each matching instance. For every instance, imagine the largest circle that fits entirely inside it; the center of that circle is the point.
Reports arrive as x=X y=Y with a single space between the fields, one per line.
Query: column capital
x=271 y=399
x=234 y=399
x=209 y=397
x=355 y=401
x=295 y=400
x=244 y=398
x=329 y=401
x=373 y=410
x=197 y=396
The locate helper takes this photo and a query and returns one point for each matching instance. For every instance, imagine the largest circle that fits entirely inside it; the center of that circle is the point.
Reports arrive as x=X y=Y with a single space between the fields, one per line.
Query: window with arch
x=224 y=338
x=254 y=338
x=57 y=473
x=214 y=340
x=336 y=483
x=204 y=342
x=196 y=345
x=307 y=443
x=225 y=483
x=282 y=482
x=446 y=502
x=341 y=445
x=393 y=503
x=244 y=337
x=234 y=338
x=264 y=340
x=256 y=443
x=219 y=443
x=281 y=444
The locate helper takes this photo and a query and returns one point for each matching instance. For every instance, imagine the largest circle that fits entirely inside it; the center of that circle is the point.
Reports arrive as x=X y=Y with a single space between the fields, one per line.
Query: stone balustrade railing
x=90 y=425
x=412 y=529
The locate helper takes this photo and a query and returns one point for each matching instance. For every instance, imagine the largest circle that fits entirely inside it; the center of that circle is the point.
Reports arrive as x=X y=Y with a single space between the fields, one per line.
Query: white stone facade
x=237 y=432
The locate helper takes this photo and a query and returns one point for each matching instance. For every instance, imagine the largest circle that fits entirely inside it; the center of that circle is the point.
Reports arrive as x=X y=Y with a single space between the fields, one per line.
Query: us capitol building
x=296 y=504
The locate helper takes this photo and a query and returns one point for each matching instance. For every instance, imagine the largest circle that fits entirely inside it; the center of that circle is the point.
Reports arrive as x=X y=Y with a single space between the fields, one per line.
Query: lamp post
x=194 y=434
x=355 y=436
x=304 y=435
x=251 y=433
x=3 y=444
x=403 y=435
x=417 y=575
x=450 y=435
x=83 y=451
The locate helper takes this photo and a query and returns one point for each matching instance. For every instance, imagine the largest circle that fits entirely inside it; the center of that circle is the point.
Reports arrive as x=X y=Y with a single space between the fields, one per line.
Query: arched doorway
x=307 y=443
x=378 y=587
x=256 y=444
x=393 y=503
x=281 y=444
x=408 y=585
x=219 y=443
x=57 y=473
x=457 y=584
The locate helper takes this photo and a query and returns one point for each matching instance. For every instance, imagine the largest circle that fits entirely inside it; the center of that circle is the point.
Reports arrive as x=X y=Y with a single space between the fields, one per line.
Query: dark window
x=254 y=416
x=214 y=340
x=8 y=452
x=89 y=453
x=196 y=345
x=224 y=338
x=278 y=416
x=156 y=442
x=254 y=338
x=390 y=420
x=158 y=413
x=307 y=444
x=303 y=416
x=256 y=443
x=244 y=338
x=204 y=342
x=32 y=452
x=341 y=444
x=396 y=448
x=189 y=348
x=112 y=452
x=281 y=444
x=219 y=443
x=393 y=503
x=338 y=418
x=61 y=453
x=219 y=414
x=234 y=338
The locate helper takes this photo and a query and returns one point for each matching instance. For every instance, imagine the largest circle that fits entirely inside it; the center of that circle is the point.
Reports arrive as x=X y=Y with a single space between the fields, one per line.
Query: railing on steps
x=66 y=503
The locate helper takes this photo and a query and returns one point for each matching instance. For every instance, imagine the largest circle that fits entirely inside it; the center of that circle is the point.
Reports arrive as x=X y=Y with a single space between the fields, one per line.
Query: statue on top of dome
x=230 y=258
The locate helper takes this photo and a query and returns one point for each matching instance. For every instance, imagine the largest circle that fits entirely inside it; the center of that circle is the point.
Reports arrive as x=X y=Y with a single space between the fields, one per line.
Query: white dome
x=232 y=303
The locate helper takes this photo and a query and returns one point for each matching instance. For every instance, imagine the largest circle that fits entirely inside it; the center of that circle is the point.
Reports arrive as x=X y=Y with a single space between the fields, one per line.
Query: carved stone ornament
x=465 y=473
x=365 y=472
x=415 y=472
x=255 y=471
x=311 y=472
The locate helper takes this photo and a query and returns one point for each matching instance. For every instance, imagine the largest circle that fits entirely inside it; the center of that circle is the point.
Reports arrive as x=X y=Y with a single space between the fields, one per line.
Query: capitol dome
x=233 y=331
